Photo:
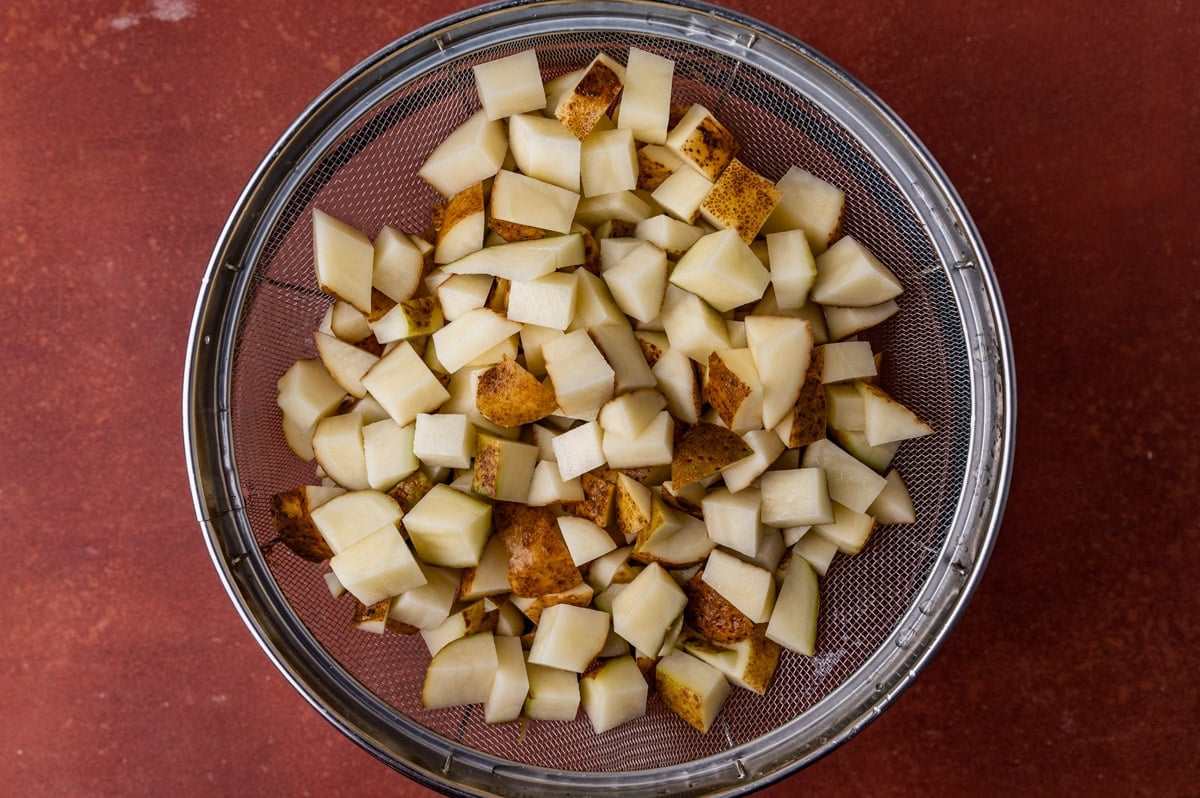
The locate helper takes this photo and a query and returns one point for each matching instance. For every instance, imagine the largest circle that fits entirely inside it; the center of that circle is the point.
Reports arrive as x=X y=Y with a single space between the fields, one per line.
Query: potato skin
x=703 y=451
x=711 y=614
x=293 y=523
x=539 y=561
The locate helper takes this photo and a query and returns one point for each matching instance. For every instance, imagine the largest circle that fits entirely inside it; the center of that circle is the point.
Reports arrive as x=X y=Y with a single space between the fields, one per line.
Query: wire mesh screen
x=368 y=178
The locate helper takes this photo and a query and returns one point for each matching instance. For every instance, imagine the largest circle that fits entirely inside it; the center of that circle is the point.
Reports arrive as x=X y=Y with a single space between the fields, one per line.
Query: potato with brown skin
x=711 y=614
x=598 y=88
x=539 y=561
x=510 y=396
x=704 y=450
x=742 y=199
x=599 y=500
x=410 y=490
x=374 y=618
x=513 y=231
x=807 y=419
x=290 y=511
x=724 y=390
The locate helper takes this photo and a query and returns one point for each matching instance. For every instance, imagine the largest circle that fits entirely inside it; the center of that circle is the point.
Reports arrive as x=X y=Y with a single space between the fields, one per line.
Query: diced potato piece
x=583 y=379
x=404 y=385
x=795 y=497
x=473 y=152
x=781 y=347
x=398 y=265
x=644 y=610
x=646 y=99
x=765 y=447
x=721 y=269
x=844 y=322
x=503 y=468
x=652 y=446
x=850 y=529
x=734 y=389
x=307 y=393
x=545 y=150
x=377 y=567
x=461 y=672
x=809 y=204
x=703 y=142
x=581 y=106
x=471 y=335
x=444 y=439
x=547 y=301
x=348 y=518
x=849 y=275
x=569 y=637
x=427 y=606
x=388 y=452
x=741 y=199
x=748 y=587
x=553 y=693
x=850 y=482
x=523 y=260
x=793 y=624
x=608 y=162
x=526 y=200
x=793 y=268
x=682 y=193
x=638 y=281
x=510 y=85
x=337 y=444
x=847 y=360
x=449 y=528
x=614 y=693
x=510 y=687
x=893 y=505
x=693 y=326
x=345 y=259
x=735 y=520
x=692 y=689
x=886 y=420
x=579 y=450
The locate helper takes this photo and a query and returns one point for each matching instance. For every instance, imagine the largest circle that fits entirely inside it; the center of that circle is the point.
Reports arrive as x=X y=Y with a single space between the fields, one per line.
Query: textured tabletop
x=128 y=130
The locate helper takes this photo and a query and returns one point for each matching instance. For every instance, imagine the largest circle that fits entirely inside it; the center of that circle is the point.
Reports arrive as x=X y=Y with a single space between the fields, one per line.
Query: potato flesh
x=667 y=296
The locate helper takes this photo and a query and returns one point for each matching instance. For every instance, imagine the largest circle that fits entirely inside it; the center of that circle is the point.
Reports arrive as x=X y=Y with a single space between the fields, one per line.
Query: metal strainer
x=355 y=152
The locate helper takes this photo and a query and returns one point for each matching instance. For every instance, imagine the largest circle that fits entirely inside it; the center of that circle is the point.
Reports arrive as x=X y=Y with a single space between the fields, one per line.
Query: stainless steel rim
x=408 y=746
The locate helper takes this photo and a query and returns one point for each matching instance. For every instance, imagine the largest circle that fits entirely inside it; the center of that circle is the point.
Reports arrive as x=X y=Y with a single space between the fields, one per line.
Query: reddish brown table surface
x=127 y=130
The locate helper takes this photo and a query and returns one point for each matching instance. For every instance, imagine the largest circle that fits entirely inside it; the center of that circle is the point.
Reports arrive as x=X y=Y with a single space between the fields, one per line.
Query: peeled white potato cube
x=818 y=551
x=490 y=577
x=646 y=99
x=614 y=693
x=346 y=363
x=670 y=235
x=547 y=301
x=795 y=497
x=850 y=529
x=781 y=347
x=510 y=85
x=459 y=294
x=307 y=393
x=579 y=450
x=630 y=413
x=676 y=376
x=608 y=162
x=510 y=687
x=547 y=486
x=583 y=379
x=471 y=335
x=377 y=567
x=569 y=637
x=503 y=468
x=793 y=268
x=345 y=259
x=449 y=528
x=748 y=587
x=682 y=193
x=522 y=260
x=398 y=265
x=810 y=204
x=721 y=269
x=849 y=275
x=847 y=360
x=793 y=623
x=526 y=200
x=766 y=447
x=461 y=672
x=692 y=689
x=473 y=152
x=404 y=385
x=734 y=520
x=652 y=446
x=844 y=322
x=621 y=350
x=543 y=149
x=850 y=482
x=585 y=539
x=349 y=517
x=428 y=605
x=693 y=326
x=646 y=608
x=886 y=420
x=444 y=439
x=638 y=281
x=388 y=450
x=893 y=505
x=625 y=206
x=337 y=445
x=553 y=693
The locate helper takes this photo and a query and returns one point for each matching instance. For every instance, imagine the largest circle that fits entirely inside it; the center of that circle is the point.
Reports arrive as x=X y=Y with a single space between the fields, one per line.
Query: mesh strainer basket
x=354 y=153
